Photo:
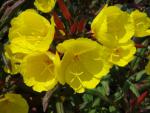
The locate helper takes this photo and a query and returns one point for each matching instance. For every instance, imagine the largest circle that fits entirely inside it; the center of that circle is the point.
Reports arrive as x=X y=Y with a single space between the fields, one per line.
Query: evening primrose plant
x=51 y=52
x=39 y=70
x=112 y=24
x=83 y=64
x=84 y=61
x=141 y=23
x=27 y=37
x=121 y=54
x=30 y=31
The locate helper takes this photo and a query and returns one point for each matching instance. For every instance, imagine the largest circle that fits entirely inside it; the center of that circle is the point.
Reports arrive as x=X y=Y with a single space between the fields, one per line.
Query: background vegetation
x=123 y=90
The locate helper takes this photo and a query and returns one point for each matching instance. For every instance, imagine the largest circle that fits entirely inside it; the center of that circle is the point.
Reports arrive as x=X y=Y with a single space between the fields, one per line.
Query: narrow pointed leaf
x=64 y=9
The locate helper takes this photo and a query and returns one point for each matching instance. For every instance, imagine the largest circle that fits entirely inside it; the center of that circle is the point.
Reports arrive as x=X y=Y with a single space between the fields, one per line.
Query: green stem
x=107 y=2
x=59 y=107
x=47 y=97
x=105 y=98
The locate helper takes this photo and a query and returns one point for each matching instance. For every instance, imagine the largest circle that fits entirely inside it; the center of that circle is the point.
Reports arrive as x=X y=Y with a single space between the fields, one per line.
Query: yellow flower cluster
x=30 y=36
x=13 y=103
x=84 y=61
x=114 y=29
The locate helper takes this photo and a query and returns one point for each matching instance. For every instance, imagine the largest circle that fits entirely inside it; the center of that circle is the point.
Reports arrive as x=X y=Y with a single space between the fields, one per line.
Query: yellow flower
x=45 y=5
x=147 y=68
x=13 y=103
x=83 y=64
x=122 y=54
x=112 y=25
x=12 y=60
x=39 y=70
x=31 y=31
x=141 y=23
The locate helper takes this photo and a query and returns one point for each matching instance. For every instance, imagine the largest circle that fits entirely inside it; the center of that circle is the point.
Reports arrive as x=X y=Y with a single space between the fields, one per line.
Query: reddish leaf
x=73 y=28
x=132 y=104
x=1 y=83
x=139 y=46
x=142 y=97
x=58 y=22
x=64 y=9
x=81 y=25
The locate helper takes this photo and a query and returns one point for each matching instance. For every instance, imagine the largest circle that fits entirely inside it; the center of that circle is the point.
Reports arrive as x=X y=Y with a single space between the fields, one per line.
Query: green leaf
x=133 y=88
x=139 y=75
x=101 y=90
x=112 y=109
x=136 y=62
x=105 y=85
x=104 y=88
x=83 y=105
x=87 y=98
x=95 y=92
x=96 y=102
x=92 y=111
x=118 y=95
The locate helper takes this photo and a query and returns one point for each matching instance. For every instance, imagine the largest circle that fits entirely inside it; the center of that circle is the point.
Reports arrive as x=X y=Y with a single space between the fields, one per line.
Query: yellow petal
x=12 y=60
x=112 y=25
x=39 y=71
x=45 y=5
x=122 y=54
x=141 y=23
x=13 y=103
x=83 y=64
x=31 y=30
